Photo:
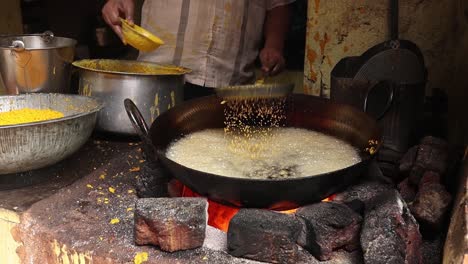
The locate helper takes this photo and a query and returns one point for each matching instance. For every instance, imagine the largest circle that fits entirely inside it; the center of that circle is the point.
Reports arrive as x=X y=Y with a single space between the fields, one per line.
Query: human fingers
x=265 y=60
x=128 y=8
x=279 y=66
x=272 y=61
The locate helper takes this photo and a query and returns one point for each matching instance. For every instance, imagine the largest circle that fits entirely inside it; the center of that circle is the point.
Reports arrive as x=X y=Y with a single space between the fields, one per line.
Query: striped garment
x=218 y=39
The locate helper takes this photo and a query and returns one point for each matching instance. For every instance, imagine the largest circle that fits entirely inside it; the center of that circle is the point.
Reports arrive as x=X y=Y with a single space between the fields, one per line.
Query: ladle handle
x=140 y=126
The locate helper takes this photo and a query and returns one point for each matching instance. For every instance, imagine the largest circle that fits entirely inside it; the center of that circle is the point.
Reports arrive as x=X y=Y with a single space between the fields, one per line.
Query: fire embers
x=171 y=223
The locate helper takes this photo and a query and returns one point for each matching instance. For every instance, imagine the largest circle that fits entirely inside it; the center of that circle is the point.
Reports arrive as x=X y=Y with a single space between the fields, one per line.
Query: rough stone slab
x=435 y=141
x=153 y=181
x=265 y=235
x=407 y=161
x=356 y=205
x=328 y=226
x=344 y=257
x=21 y=190
x=337 y=257
x=430 y=205
x=363 y=192
x=416 y=174
x=407 y=190
x=429 y=177
x=432 y=157
x=432 y=251
x=74 y=221
x=215 y=239
x=389 y=232
x=173 y=224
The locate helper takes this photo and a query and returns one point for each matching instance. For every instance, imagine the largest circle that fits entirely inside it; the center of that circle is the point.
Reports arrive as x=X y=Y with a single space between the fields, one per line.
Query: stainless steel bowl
x=29 y=146
x=36 y=63
x=153 y=87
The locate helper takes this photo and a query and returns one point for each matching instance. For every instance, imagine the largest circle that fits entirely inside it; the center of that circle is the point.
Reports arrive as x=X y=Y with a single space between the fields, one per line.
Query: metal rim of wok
x=350 y=124
x=99 y=105
x=255 y=90
x=178 y=70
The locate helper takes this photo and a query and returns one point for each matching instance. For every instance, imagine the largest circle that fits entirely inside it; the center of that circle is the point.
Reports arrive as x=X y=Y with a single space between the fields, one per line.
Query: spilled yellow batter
x=28 y=115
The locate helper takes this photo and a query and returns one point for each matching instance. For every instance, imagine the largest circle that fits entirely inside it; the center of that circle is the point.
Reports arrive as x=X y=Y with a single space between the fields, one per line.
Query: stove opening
x=219 y=215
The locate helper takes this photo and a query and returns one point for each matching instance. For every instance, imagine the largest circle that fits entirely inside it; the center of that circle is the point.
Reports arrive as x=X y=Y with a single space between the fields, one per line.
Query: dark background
x=81 y=20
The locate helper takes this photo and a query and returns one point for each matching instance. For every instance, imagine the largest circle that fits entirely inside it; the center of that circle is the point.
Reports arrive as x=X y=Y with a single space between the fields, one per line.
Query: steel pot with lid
x=155 y=88
x=36 y=63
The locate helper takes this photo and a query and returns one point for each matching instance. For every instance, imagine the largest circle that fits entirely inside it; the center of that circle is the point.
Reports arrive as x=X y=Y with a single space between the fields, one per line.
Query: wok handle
x=389 y=101
x=141 y=128
x=138 y=122
x=136 y=118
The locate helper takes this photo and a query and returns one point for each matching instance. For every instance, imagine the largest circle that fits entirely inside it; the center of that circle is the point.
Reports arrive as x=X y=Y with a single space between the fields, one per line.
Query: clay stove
x=373 y=221
x=84 y=222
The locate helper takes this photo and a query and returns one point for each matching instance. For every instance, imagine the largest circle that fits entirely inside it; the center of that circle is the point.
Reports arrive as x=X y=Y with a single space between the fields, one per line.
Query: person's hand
x=272 y=61
x=114 y=10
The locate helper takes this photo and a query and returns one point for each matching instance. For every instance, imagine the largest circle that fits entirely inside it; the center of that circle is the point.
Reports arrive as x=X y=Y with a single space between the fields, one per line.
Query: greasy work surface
x=91 y=219
x=19 y=191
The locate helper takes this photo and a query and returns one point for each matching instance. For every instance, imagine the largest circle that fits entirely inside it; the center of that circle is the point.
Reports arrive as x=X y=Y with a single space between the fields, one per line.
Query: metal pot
x=153 y=87
x=36 y=63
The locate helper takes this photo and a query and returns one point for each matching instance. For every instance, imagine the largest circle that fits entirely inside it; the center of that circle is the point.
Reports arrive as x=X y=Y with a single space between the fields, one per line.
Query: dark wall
x=80 y=20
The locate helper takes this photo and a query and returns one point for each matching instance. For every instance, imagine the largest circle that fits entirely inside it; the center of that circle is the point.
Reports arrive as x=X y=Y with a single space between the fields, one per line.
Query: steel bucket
x=36 y=63
x=396 y=105
x=115 y=80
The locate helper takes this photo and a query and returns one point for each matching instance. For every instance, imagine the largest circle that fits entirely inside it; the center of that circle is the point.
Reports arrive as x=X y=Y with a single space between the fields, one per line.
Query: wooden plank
x=8 y=246
x=456 y=243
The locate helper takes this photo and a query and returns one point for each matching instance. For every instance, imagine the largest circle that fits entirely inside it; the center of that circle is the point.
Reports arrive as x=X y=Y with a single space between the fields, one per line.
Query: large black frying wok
x=304 y=111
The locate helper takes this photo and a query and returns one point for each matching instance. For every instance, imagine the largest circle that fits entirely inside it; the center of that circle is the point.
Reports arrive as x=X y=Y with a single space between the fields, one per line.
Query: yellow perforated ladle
x=139 y=38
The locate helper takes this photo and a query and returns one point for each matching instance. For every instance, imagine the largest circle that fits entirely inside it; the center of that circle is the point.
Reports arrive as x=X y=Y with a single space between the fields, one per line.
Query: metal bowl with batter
x=153 y=87
x=30 y=146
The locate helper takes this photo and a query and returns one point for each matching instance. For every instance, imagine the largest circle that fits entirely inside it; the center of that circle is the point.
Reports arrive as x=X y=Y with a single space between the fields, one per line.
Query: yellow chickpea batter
x=135 y=67
x=28 y=115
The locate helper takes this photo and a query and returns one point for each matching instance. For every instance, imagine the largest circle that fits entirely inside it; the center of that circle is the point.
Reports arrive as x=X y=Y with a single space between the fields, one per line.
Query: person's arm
x=113 y=10
x=275 y=30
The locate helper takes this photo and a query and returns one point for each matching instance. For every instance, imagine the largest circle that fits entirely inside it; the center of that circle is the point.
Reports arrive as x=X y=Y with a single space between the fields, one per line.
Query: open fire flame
x=219 y=215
